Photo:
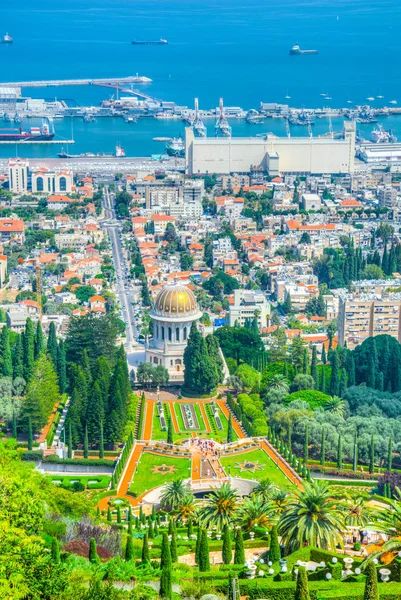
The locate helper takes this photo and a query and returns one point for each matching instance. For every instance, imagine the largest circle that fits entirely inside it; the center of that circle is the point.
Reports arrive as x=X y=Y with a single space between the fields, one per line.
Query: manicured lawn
x=268 y=468
x=145 y=479
x=157 y=432
x=92 y=482
x=220 y=435
x=180 y=419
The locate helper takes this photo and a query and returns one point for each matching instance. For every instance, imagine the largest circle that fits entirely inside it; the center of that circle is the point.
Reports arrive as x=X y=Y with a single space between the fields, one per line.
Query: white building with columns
x=172 y=315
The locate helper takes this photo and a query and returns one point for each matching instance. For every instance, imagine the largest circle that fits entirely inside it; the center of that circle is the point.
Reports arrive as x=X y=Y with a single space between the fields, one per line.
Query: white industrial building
x=286 y=155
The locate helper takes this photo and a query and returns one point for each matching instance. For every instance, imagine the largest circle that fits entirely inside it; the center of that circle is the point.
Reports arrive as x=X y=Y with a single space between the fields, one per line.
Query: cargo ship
x=161 y=42
x=7 y=39
x=296 y=50
x=35 y=134
x=119 y=153
x=176 y=147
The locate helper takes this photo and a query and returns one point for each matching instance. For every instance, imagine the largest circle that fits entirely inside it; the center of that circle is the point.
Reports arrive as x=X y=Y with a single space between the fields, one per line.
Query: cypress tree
x=274 y=550
x=52 y=344
x=129 y=549
x=351 y=369
x=14 y=426
x=93 y=557
x=145 y=550
x=109 y=516
x=29 y=349
x=343 y=382
x=39 y=344
x=198 y=545
x=239 y=551
x=95 y=414
x=166 y=590
x=372 y=455
x=30 y=435
x=371 y=374
x=200 y=375
x=323 y=447
x=230 y=432
x=55 y=551
x=301 y=590
x=323 y=381
x=355 y=457
x=98 y=515
x=69 y=441
x=306 y=445
x=313 y=366
x=173 y=548
x=86 y=444
x=227 y=553
x=334 y=381
x=204 y=561
x=371 y=589
x=61 y=367
x=190 y=530
x=390 y=454
x=18 y=358
x=150 y=530
x=101 y=442
x=118 y=514
x=153 y=513
x=339 y=452
x=170 y=438
x=6 y=363
x=156 y=529
x=324 y=356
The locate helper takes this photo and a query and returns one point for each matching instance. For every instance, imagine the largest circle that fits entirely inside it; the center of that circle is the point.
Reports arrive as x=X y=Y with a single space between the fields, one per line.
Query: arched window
x=178 y=361
x=185 y=333
x=170 y=335
x=155 y=360
x=163 y=333
x=39 y=184
x=177 y=334
x=63 y=184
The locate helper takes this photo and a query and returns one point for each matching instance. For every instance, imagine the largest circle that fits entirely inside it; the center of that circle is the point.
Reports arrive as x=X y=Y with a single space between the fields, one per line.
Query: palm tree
x=172 y=494
x=185 y=508
x=313 y=517
x=336 y=406
x=279 y=383
x=356 y=511
x=254 y=512
x=278 y=501
x=221 y=507
x=389 y=522
x=264 y=488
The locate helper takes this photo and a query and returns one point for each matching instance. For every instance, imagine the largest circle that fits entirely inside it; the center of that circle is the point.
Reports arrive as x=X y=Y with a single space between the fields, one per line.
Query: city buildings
x=248 y=305
x=23 y=178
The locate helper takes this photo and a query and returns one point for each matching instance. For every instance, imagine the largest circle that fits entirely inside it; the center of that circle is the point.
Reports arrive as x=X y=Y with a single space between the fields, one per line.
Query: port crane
x=222 y=127
x=199 y=126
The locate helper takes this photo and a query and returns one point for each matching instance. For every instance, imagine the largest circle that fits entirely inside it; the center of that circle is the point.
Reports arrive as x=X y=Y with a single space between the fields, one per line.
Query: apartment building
x=366 y=315
x=247 y=305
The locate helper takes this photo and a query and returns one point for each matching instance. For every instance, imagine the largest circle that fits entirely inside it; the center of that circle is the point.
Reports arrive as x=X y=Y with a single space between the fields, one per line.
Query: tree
x=84 y=292
x=227 y=553
x=96 y=336
x=204 y=560
x=390 y=454
x=371 y=588
x=301 y=589
x=145 y=550
x=52 y=344
x=6 y=364
x=55 y=550
x=129 y=549
x=323 y=447
x=166 y=591
x=220 y=508
x=30 y=435
x=170 y=431
x=372 y=455
x=287 y=305
x=305 y=238
x=86 y=444
x=42 y=393
x=95 y=414
x=335 y=381
x=200 y=376
x=29 y=349
x=306 y=445
x=165 y=555
x=101 y=442
x=39 y=345
x=93 y=557
x=324 y=358
x=173 y=493
x=339 y=453
x=145 y=373
x=248 y=376
x=61 y=367
x=312 y=516
x=239 y=551
x=173 y=548
x=18 y=358
x=274 y=548
x=69 y=455
x=278 y=345
x=313 y=367
x=230 y=430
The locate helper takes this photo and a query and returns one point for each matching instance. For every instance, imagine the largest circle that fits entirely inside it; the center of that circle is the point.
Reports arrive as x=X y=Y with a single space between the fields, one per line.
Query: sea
x=234 y=49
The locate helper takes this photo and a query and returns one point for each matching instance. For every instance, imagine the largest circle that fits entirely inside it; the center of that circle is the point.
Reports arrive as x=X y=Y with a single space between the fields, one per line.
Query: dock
x=113 y=81
x=24 y=142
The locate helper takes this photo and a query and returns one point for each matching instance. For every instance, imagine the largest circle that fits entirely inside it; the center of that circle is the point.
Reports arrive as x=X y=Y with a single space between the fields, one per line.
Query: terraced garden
x=91 y=482
x=255 y=464
x=154 y=470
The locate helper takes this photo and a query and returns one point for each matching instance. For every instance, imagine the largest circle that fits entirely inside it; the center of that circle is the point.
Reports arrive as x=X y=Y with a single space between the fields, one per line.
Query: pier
x=113 y=81
x=24 y=142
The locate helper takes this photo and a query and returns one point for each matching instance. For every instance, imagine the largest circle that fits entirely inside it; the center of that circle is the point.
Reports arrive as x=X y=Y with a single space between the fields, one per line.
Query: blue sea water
x=236 y=49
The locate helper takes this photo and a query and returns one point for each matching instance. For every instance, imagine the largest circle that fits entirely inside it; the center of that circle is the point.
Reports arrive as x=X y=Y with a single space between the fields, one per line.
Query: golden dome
x=175 y=300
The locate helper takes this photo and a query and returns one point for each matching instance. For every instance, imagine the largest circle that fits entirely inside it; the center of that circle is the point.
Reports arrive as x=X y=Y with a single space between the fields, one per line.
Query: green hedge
x=99 y=462
x=32 y=455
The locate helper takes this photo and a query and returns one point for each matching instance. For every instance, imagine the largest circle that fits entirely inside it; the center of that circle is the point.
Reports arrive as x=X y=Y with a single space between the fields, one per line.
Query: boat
x=88 y=118
x=120 y=152
x=130 y=119
x=161 y=42
x=176 y=147
x=35 y=134
x=379 y=97
x=7 y=39
x=287 y=97
x=393 y=102
x=371 y=99
x=253 y=116
x=382 y=136
x=296 y=50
